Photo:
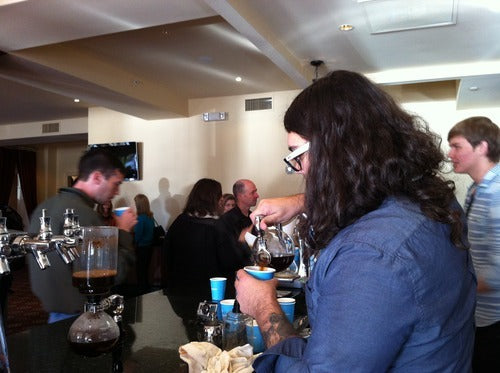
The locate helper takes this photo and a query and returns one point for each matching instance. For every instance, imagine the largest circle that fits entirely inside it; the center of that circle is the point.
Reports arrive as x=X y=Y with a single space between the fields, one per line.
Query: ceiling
x=147 y=58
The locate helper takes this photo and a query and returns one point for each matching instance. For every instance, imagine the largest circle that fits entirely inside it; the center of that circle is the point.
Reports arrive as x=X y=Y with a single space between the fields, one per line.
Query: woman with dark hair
x=195 y=249
x=106 y=211
x=393 y=287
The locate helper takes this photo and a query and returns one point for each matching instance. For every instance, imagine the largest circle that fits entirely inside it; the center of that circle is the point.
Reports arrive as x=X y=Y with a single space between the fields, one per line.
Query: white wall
x=34 y=129
x=441 y=117
x=177 y=152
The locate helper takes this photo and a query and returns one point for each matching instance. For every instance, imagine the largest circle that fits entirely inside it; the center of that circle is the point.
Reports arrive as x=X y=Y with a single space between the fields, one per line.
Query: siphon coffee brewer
x=94 y=271
x=273 y=247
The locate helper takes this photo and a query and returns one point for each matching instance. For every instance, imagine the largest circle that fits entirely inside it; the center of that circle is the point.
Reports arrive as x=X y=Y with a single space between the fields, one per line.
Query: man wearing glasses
x=393 y=288
x=293 y=160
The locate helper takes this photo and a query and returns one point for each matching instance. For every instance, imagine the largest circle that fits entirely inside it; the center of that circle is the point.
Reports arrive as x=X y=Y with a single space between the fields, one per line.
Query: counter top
x=154 y=326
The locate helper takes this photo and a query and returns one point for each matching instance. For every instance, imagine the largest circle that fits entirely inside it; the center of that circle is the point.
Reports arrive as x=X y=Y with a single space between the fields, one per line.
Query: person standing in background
x=236 y=222
x=227 y=203
x=195 y=248
x=106 y=211
x=475 y=150
x=143 y=239
x=100 y=175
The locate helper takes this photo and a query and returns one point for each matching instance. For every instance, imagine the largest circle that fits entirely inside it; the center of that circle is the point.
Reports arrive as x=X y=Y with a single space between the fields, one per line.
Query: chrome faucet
x=16 y=245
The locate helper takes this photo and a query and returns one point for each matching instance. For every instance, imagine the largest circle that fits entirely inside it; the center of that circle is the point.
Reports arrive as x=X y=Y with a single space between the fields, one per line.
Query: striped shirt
x=483 y=217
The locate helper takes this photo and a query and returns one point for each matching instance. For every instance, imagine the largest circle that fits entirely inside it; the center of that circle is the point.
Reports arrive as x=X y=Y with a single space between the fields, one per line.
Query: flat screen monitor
x=127 y=153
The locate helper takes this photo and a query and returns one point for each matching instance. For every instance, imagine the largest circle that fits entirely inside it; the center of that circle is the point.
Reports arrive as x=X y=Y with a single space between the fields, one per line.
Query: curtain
x=26 y=167
x=7 y=173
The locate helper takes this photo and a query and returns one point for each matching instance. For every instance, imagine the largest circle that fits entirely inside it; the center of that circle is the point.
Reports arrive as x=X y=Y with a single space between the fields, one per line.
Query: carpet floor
x=23 y=308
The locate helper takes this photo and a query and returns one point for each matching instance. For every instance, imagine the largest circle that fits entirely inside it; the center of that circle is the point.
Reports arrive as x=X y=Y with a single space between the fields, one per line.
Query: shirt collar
x=490 y=176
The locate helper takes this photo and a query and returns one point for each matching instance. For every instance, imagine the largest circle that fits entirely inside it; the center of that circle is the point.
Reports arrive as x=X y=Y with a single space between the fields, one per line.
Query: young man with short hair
x=475 y=150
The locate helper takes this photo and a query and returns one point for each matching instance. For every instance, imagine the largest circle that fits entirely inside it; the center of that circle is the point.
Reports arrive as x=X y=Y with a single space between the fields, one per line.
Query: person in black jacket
x=196 y=249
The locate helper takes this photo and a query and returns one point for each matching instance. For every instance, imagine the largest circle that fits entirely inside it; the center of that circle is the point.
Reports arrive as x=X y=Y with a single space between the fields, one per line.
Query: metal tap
x=16 y=245
x=45 y=227
x=261 y=254
x=5 y=250
x=68 y=222
x=115 y=305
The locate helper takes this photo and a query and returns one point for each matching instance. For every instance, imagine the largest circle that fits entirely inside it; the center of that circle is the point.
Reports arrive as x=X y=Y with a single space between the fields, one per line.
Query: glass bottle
x=234 y=333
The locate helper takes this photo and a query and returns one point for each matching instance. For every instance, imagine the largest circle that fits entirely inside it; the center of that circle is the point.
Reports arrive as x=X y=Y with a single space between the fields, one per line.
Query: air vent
x=50 y=127
x=394 y=15
x=264 y=103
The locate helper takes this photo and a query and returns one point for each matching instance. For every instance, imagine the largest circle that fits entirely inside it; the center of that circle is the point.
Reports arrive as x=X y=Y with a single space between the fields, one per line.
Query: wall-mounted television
x=127 y=153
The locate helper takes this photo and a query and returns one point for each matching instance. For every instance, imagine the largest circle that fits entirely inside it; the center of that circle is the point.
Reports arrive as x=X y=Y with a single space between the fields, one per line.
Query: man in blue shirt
x=475 y=150
x=393 y=288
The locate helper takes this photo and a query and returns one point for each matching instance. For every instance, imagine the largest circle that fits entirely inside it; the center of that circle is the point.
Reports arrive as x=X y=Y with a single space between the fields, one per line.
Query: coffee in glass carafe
x=273 y=247
x=94 y=271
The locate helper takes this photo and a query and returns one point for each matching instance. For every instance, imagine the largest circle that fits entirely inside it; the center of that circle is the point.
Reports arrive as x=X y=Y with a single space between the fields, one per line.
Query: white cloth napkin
x=204 y=357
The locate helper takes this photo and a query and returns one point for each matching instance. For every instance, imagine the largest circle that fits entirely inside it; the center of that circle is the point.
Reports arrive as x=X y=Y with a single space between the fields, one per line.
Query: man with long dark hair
x=393 y=288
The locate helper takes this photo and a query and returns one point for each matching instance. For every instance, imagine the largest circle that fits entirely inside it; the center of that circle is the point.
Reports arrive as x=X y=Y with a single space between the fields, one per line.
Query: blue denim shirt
x=389 y=293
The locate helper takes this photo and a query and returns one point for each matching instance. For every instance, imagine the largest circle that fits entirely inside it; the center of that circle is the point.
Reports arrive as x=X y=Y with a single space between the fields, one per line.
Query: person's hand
x=256 y=297
x=278 y=210
x=127 y=220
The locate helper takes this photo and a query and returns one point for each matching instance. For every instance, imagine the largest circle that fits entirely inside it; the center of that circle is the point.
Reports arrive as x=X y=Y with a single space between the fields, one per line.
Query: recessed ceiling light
x=473 y=88
x=238 y=79
x=346 y=27
x=76 y=100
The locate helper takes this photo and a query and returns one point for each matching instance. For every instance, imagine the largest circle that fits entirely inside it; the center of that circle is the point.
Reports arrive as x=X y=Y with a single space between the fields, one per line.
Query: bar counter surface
x=154 y=326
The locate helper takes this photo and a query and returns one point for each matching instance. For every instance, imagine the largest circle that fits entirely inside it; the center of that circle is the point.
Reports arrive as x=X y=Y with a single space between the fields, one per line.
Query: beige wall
x=441 y=116
x=34 y=129
x=177 y=152
x=55 y=162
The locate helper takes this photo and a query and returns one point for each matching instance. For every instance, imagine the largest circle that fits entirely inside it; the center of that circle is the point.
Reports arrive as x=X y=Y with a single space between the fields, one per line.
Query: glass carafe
x=273 y=247
x=95 y=331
